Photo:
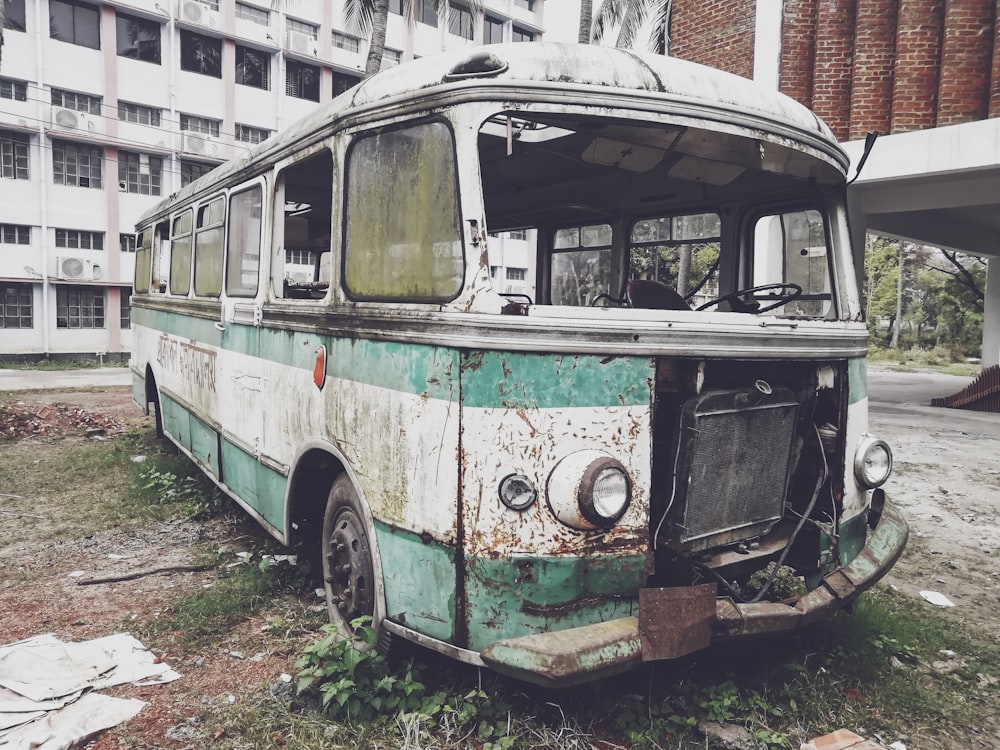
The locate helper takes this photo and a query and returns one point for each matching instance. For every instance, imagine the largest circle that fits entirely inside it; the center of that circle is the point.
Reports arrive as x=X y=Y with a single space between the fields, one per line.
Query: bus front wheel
x=347 y=558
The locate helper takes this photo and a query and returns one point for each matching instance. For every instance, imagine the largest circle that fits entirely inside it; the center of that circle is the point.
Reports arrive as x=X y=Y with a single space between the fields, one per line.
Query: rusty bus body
x=558 y=484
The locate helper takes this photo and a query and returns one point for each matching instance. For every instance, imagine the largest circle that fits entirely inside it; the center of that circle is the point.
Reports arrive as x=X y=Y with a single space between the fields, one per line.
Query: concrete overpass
x=938 y=187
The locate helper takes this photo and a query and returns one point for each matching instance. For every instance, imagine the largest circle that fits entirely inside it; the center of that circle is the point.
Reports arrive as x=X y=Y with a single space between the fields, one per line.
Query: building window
x=526 y=4
x=492 y=30
x=201 y=54
x=192 y=170
x=210 y=4
x=126 y=308
x=78 y=239
x=391 y=58
x=79 y=307
x=11 y=89
x=428 y=13
x=300 y=257
x=396 y=6
x=460 y=21
x=76 y=101
x=126 y=243
x=15 y=304
x=253 y=68
x=303 y=28
x=516 y=274
x=250 y=134
x=521 y=35
x=343 y=81
x=139 y=173
x=258 y=16
x=76 y=165
x=302 y=81
x=518 y=234
x=203 y=125
x=139 y=114
x=345 y=41
x=13 y=155
x=75 y=23
x=14 y=20
x=15 y=234
x=138 y=38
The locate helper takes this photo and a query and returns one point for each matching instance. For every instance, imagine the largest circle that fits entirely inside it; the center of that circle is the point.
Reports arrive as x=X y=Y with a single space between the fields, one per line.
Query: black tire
x=348 y=571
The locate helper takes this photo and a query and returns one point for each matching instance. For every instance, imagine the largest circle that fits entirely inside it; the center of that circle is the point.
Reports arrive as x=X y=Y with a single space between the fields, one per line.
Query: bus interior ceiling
x=551 y=170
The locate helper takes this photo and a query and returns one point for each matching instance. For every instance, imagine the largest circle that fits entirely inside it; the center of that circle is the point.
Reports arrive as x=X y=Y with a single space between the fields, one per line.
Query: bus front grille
x=732 y=465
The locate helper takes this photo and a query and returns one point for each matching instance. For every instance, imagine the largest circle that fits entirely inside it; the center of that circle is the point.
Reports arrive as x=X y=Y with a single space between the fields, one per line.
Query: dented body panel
x=559 y=481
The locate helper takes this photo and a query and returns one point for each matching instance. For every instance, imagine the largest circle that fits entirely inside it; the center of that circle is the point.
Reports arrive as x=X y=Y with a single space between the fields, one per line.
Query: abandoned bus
x=658 y=441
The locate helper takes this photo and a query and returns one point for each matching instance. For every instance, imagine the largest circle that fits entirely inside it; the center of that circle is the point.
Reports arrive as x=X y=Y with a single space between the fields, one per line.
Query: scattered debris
x=842 y=739
x=45 y=701
x=20 y=419
x=937 y=599
x=144 y=573
x=727 y=736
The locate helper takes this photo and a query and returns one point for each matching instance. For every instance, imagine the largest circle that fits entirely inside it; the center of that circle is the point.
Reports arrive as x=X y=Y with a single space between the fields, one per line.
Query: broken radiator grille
x=733 y=466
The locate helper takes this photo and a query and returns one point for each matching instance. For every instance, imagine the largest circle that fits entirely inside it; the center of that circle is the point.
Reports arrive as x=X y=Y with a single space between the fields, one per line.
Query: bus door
x=243 y=402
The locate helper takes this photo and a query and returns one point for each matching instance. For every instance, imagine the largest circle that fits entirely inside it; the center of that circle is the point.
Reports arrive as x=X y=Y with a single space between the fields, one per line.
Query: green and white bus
x=657 y=442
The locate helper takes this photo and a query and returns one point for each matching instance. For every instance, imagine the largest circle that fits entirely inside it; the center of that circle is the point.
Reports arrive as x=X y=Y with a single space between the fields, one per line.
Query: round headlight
x=517 y=492
x=872 y=462
x=589 y=490
x=604 y=492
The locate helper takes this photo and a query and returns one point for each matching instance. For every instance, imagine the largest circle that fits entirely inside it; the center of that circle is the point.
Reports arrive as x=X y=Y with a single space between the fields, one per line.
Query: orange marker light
x=319 y=371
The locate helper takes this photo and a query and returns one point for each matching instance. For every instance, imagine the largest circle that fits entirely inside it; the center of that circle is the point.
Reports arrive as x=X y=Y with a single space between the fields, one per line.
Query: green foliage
x=354 y=683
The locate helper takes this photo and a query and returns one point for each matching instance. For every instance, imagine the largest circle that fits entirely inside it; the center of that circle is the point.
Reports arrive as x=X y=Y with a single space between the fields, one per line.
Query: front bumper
x=570 y=657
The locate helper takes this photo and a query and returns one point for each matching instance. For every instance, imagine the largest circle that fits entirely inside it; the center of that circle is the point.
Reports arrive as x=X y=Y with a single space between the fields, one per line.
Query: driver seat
x=654 y=295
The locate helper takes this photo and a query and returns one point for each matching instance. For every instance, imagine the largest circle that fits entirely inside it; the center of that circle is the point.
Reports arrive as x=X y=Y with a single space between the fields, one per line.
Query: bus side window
x=143 y=260
x=160 y=258
x=208 y=248
x=180 y=254
x=243 y=262
x=303 y=227
x=792 y=248
x=582 y=265
x=402 y=239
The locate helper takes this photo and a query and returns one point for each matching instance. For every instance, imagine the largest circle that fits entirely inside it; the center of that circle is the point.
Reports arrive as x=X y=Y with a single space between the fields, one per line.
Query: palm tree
x=372 y=16
x=630 y=18
x=3 y=18
x=586 y=21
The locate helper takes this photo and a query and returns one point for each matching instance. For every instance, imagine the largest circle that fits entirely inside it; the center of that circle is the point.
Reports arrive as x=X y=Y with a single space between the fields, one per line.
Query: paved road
x=25 y=380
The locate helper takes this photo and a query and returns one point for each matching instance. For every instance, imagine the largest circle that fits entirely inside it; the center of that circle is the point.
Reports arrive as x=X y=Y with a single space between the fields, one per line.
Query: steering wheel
x=750 y=307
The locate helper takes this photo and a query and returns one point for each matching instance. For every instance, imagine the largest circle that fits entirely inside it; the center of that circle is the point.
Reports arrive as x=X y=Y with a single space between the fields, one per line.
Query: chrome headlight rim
x=867 y=448
x=593 y=509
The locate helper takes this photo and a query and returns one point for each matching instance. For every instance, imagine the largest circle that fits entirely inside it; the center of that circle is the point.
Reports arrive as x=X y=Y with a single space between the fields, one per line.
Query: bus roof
x=590 y=70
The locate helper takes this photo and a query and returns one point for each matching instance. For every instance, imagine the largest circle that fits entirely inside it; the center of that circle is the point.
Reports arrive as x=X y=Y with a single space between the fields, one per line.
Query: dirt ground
x=946 y=478
x=44 y=589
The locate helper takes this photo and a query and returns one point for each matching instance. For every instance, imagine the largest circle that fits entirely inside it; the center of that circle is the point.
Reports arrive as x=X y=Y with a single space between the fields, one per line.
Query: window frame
x=296 y=69
x=78 y=239
x=210 y=220
x=83 y=154
x=140 y=114
x=20 y=233
x=193 y=58
x=91 y=303
x=18 y=89
x=24 y=296
x=75 y=8
x=78 y=101
x=154 y=54
x=15 y=155
x=130 y=165
x=234 y=223
x=262 y=72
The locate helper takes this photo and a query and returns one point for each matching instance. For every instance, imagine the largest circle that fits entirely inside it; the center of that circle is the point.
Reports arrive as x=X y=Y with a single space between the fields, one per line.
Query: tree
x=630 y=18
x=372 y=17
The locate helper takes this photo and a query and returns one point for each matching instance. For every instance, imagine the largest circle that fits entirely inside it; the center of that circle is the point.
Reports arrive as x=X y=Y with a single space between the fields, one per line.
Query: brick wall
x=833 y=62
x=719 y=33
x=964 y=84
x=886 y=65
x=871 y=75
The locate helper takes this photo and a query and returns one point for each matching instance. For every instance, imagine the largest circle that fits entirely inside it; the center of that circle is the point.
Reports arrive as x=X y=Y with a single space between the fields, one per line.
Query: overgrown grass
x=939 y=359
x=884 y=671
x=60 y=365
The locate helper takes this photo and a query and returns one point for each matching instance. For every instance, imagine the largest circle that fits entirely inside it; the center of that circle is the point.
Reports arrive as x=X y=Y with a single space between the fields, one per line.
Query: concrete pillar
x=991 y=315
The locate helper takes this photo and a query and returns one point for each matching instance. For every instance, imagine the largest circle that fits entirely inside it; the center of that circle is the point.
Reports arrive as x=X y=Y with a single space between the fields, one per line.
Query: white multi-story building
x=106 y=107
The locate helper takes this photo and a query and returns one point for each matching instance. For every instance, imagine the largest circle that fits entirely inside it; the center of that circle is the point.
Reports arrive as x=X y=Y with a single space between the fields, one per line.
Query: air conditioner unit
x=202 y=145
x=302 y=44
x=71 y=268
x=193 y=11
x=68 y=119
